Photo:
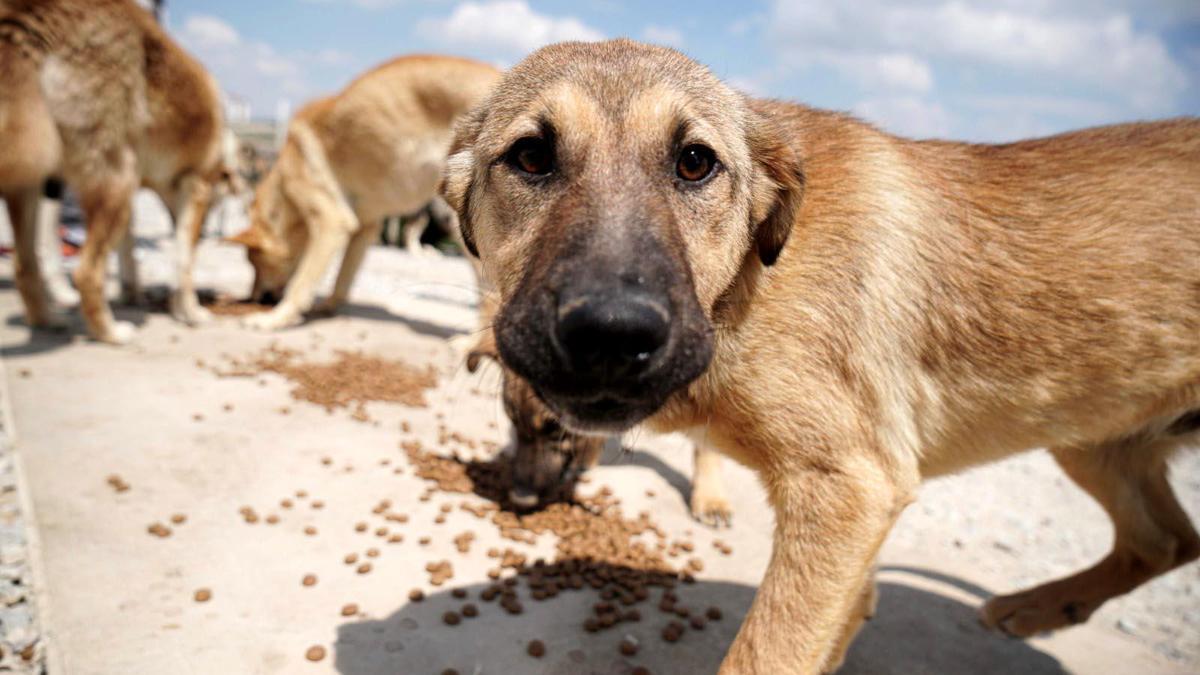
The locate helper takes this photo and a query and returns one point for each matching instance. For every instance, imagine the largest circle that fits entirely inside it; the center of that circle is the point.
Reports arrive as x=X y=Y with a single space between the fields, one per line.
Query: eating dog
x=374 y=150
x=845 y=311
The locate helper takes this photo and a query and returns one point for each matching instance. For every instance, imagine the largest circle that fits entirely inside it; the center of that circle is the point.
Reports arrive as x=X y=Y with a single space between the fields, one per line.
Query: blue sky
x=984 y=71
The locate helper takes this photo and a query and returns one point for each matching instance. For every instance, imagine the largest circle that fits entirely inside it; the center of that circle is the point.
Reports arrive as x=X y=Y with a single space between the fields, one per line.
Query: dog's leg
x=709 y=502
x=30 y=280
x=863 y=611
x=356 y=250
x=413 y=230
x=1152 y=535
x=50 y=253
x=831 y=519
x=189 y=211
x=131 y=284
x=107 y=205
x=298 y=298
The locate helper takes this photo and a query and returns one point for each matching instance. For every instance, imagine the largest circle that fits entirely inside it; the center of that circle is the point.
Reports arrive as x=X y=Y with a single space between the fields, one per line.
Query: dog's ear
x=251 y=237
x=778 y=186
x=459 y=177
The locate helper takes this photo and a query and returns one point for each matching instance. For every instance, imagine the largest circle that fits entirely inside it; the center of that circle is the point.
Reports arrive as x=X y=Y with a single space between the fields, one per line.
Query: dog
x=844 y=311
x=96 y=93
x=349 y=161
x=548 y=458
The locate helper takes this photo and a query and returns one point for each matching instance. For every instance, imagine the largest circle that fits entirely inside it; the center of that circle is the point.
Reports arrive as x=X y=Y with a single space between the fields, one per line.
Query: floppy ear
x=459 y=177
x=249 y=237
x=778 y=184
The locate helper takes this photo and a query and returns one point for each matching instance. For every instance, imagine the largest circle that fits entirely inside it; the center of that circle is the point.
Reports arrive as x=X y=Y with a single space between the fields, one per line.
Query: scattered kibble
x=309 y=580
x=202 y=595
x=536 y=649
x=315 y=653
x=349 y=609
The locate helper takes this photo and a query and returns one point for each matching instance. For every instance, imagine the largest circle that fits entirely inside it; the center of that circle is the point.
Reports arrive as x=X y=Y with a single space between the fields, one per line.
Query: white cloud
x=663 y=35
x=208 y=31
x=1071 y=43
x=248 y=71
x=332 y=57
x=894 y=70
x=504 y=28
x=906 y=115
x=365 y=4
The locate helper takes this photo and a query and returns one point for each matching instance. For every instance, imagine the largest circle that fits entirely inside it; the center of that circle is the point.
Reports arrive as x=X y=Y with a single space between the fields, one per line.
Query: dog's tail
x=28 y=133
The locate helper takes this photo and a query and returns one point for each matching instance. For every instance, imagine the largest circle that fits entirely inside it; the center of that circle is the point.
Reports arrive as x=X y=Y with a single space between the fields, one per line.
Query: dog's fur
x=877 y=311
x=96 y=92
x=547 y=456
x=376 y=149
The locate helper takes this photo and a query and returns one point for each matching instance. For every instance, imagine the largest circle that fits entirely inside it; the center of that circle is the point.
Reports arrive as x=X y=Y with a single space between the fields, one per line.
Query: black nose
x=268 y=298
x=614 y=337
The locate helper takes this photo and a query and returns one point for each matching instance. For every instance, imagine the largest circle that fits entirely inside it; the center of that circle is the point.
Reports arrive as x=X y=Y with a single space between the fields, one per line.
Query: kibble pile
x=351 y=379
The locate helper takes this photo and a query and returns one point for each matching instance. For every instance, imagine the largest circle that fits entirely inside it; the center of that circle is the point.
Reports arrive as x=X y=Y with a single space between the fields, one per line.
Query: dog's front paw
x=272 y=320
x=711 y=508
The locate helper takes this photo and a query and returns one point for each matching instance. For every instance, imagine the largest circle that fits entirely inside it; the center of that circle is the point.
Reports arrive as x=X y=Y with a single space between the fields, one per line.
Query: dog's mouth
x=603 y=414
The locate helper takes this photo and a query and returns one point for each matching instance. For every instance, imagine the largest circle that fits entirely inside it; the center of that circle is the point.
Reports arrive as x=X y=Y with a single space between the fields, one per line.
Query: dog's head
x=614 y=192
x=547 y=458
x=274 y=240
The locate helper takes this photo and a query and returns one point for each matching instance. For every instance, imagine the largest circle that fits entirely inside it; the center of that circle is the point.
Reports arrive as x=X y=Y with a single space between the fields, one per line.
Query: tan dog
x=844 y=311
x=374 y=150
x=548 y=457
x=96 y=92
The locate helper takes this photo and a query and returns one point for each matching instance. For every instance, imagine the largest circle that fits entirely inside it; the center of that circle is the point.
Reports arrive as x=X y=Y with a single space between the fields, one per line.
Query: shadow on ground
x=915 y=631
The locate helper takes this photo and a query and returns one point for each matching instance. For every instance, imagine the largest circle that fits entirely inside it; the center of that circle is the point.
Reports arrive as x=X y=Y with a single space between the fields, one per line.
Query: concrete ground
x=118 y=600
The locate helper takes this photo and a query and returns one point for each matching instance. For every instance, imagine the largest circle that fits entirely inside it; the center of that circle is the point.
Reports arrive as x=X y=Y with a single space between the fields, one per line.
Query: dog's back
x=1063 y=270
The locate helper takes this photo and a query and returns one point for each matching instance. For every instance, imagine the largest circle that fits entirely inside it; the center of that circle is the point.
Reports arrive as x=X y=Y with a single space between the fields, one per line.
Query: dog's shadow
x=914 y=631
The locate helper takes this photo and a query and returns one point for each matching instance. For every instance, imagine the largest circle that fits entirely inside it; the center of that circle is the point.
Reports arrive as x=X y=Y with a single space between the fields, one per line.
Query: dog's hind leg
x=352 y=260
x=127 y=270
x=107 y=204
x=192 y=200
x=50 y=251
x=1152 y=535
x=30 y=280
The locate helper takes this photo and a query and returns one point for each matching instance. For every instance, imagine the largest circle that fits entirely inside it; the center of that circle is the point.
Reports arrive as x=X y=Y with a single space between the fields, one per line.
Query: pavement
x=114 y=599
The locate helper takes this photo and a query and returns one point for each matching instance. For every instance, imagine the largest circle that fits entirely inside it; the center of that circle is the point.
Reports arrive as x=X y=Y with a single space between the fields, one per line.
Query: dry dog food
x=202 y=595
x=159 y=530
x=416 y=595
x=309 y=580
x=351 y=379
x=536 y=649
x=451 y=618
x=315 y=653
x=118 y=483
x=349 y=609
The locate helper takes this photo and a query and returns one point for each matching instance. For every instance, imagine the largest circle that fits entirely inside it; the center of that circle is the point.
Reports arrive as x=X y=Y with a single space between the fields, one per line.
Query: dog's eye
x=696 y=162
x=531 y=155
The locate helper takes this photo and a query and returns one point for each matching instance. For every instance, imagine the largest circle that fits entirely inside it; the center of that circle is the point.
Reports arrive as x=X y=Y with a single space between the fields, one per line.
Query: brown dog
x=96 y=92
x=548 y=457
x=844 y=311
x=374 y=150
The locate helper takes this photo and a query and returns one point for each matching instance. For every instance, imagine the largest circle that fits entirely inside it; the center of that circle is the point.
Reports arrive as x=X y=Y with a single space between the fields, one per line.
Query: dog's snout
x=612 y=337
